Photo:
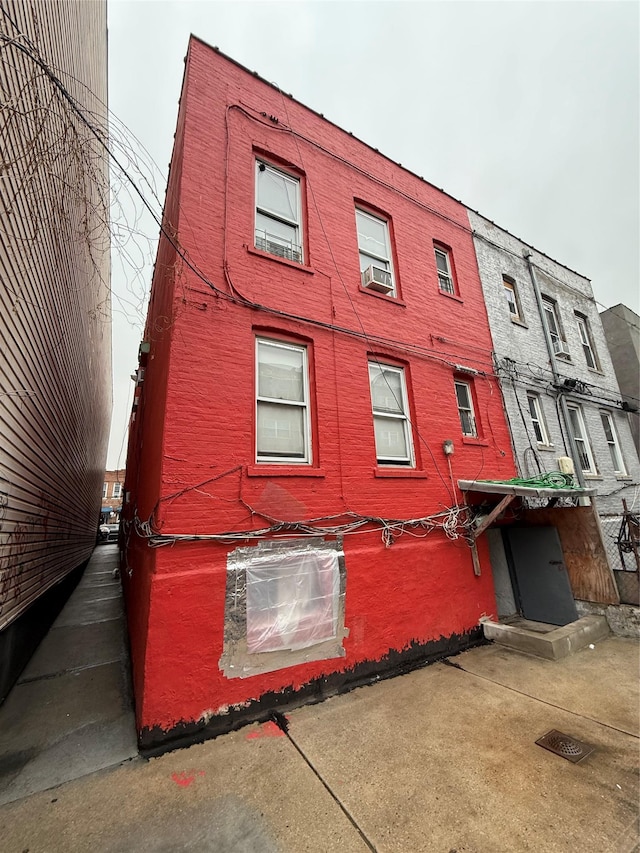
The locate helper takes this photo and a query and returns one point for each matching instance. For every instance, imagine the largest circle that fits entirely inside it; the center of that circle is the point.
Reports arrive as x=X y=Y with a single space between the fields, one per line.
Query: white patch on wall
x=284 y=606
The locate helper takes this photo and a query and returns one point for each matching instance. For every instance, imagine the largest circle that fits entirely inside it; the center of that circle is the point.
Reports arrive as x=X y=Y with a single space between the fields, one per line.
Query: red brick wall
x=195 y=421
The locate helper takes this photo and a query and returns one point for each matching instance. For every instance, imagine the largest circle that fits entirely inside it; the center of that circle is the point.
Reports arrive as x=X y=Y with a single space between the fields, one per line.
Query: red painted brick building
x=316 y=333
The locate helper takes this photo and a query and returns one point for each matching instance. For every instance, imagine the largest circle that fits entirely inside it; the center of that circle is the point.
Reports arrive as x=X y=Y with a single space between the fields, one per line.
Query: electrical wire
x=454 y=522
x=550 y=480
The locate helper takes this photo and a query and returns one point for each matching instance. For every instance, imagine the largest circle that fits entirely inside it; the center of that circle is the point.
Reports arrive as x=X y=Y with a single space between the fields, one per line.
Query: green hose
x=552 y=480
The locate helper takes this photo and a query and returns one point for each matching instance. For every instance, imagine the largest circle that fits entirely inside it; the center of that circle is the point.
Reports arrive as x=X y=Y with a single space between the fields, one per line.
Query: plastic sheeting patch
x=284 y=605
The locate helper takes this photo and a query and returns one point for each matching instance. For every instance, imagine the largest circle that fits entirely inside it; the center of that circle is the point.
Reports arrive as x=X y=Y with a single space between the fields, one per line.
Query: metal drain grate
x=565 y=746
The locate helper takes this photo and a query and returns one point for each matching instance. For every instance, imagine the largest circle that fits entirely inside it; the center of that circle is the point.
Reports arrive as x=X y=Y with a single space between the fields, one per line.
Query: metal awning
x=509 y=491
x=522 y=491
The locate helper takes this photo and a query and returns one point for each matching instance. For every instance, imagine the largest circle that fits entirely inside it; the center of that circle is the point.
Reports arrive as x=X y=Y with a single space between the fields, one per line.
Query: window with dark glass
x=464 y=399
x=585 y=340
x=511 y=295
x=444 y=266
x=554 y=328
x=613 y=443
x=581 y=439
x=537 y=419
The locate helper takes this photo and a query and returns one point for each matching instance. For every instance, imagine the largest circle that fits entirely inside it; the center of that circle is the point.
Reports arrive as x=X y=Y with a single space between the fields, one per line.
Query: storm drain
x=565 y=746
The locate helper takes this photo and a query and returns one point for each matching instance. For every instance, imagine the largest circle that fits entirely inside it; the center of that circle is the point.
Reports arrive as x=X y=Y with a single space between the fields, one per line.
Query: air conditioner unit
x=377 y=279
x=560 y=347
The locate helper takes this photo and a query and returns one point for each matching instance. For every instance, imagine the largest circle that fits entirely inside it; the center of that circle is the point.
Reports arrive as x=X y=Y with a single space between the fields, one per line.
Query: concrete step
x=555 y=644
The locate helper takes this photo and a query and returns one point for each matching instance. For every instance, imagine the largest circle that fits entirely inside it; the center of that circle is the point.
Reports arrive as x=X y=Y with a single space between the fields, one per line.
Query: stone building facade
x=560 y=389
x=622 y=331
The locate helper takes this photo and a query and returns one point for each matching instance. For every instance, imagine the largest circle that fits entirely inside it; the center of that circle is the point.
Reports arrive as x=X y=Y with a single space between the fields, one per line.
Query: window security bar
x=276 y=245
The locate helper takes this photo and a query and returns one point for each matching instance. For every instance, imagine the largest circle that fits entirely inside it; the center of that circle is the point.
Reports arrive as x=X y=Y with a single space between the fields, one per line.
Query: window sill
x=520 y=323
x=595 y=370
x=453 y=296
x=286 y=470
x=548 y=447
x=624 y=478
x=479 y=442
x=592 y=476
x=287 y=263
x=391 y=471
x=392 y=299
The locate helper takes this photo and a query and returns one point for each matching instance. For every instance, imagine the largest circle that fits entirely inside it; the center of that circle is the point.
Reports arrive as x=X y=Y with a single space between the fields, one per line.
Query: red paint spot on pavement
x=268 y=729
x=184 y=778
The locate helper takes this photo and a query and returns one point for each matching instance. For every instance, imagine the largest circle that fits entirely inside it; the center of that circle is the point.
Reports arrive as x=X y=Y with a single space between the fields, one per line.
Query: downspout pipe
x=573 y=450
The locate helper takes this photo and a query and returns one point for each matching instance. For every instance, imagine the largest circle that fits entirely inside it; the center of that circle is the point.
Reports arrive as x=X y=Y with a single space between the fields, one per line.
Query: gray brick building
x=560 y=390
x=622 y=330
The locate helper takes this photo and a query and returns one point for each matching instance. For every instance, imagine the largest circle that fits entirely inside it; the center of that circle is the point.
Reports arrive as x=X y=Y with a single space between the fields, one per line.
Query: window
x=444 y=267
x=390 y=415
x=513 y=302
x=117 y=490
x=554 y=328
x=537 y=419
x=282 y=411
x=585 y=340
x=278 y=213
x=376 y=270
x=105 y=488
x=292 y=599
x=284 y=605
x=614 y=445
x=465 y=409
x=581 y=439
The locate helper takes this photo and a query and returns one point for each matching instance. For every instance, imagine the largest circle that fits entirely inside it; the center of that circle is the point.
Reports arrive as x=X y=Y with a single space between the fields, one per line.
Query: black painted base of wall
x=155 y=741
x=21 y=638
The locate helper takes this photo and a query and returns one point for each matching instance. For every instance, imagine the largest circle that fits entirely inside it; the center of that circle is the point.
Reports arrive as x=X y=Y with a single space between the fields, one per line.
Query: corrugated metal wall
x=55 y=333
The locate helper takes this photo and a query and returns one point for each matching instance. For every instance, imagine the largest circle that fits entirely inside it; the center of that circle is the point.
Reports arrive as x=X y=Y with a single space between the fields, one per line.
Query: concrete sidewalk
x=71 y=712
x=442 y=759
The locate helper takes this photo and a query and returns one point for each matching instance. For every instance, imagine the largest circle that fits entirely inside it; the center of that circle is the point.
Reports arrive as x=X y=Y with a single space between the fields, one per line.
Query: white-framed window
x=390 y=407
x=511 y=295
x=554 y=328
x=278 y=227
x=374 y=246
x=105 y=489
x=283 y=431
x=585 y=340
x=464 y=399
x=579 y=430
x=537 y=419
x=117 y=490
x=444 y=266
x=614 y=445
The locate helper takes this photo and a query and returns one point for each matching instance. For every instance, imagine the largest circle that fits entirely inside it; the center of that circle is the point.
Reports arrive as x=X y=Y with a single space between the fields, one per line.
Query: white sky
x=525 y=111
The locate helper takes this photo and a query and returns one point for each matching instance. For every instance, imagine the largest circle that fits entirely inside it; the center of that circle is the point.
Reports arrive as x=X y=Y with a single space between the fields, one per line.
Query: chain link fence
x=624 y=563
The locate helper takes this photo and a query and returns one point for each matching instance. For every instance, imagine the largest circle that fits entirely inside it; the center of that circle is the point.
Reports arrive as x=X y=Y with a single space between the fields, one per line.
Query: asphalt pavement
x=71 y=711
x=442 y=759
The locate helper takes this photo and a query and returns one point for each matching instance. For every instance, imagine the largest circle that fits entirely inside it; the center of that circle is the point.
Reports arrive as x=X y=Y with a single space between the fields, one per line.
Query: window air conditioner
x=377 y=279
x=560 y=347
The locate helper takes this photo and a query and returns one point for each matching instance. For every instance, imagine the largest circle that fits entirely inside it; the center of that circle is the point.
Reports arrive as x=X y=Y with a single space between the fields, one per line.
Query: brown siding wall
x=55 y=332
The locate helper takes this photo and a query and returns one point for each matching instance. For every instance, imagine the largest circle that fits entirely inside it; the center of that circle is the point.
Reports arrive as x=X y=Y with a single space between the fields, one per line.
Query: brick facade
x=523 y=363
x=622 y=330
x=192 y=467
x=112 y=496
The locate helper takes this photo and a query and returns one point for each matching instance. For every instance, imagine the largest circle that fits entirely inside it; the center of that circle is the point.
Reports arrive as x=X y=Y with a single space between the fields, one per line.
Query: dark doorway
x=540 y=580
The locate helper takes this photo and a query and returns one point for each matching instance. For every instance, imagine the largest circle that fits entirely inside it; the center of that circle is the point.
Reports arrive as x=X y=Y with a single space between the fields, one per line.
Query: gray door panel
x=541 y=577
